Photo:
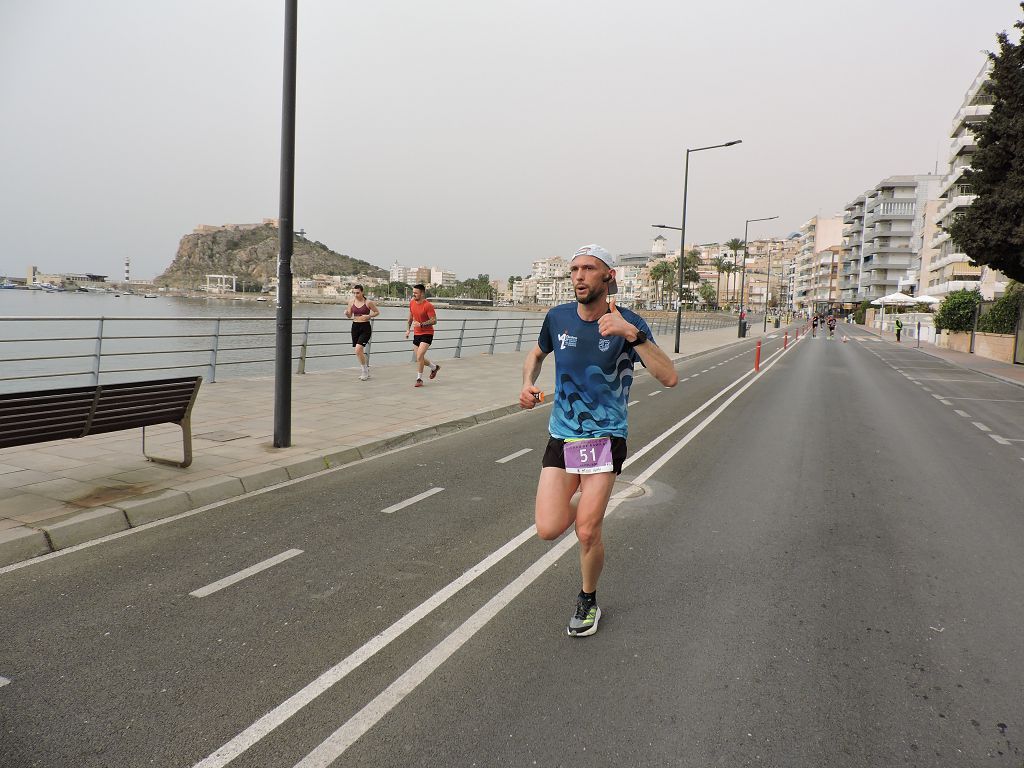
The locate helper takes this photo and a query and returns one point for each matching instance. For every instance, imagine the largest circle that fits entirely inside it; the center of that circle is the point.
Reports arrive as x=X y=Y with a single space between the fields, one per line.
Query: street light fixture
x=743 y=271
x=682 y=231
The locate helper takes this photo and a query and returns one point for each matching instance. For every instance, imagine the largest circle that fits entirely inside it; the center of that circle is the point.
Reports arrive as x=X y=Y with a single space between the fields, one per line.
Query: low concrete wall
x=995 y=346
x=958 y=341
x=992 y=346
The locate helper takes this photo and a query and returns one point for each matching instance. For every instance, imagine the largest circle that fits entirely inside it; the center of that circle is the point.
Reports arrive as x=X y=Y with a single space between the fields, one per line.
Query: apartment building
x=818 y=253
x=951 y=269
x=886 y=233
x=556 y=266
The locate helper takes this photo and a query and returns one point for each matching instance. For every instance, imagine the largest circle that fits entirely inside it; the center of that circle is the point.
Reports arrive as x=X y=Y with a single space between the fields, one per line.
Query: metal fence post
x=366 y=349
x=494 y=337
x=458 y=346
x=213 y=351
x=303 y=349
x=98 y=354
x=519 y=341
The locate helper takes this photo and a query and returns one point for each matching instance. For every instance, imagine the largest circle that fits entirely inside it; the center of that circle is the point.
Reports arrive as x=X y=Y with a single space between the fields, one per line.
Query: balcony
x=942 y=289
x=953 y=203
x=974 y=113
x=963 y=145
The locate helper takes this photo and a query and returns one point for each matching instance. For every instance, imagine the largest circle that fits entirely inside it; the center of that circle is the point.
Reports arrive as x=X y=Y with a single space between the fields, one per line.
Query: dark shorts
x=361 y=333
x=554 y=455
x=422 y=338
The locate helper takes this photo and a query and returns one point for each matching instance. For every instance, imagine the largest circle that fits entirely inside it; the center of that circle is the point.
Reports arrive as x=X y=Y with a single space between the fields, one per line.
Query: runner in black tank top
x=361 y=310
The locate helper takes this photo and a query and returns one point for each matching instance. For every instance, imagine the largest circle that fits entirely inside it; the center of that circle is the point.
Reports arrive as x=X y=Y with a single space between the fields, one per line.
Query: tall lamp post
x=682 y=231
x=768 y=291
x=743 y=270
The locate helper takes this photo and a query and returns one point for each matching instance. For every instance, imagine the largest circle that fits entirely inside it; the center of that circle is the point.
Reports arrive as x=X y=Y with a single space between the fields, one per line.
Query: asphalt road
x=824 y=569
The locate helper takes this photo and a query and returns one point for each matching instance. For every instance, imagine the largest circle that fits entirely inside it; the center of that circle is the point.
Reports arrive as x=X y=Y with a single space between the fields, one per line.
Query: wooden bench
x=57 y=414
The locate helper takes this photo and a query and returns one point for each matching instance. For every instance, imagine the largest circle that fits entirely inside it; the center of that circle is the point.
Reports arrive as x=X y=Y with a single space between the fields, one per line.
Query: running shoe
x=364 y=376
x=584 y=620
x=433 y=373
x=419 y=383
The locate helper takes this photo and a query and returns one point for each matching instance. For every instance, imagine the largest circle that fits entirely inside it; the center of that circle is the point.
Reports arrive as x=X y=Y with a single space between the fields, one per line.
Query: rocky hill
x=251 y=254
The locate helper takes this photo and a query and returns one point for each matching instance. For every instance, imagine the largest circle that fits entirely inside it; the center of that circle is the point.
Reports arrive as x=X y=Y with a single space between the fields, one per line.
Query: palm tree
x=658 y=274
x=721 y=266
x=691 y=265
x=735 y=245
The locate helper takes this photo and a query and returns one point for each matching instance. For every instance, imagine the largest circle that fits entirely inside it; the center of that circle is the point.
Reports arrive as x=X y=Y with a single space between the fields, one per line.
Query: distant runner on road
x=361 y=310
x=596 y=346
x=421 y=322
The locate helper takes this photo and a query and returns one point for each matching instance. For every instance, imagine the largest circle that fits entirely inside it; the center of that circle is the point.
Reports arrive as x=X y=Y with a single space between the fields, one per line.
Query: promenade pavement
x=63 y=493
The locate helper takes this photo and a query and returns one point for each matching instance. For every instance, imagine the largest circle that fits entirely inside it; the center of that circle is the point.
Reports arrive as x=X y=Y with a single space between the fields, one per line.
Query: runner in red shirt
x=421 y=323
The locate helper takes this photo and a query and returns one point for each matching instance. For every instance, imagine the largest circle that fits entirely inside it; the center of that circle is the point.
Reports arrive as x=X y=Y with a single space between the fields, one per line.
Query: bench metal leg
x=186 y=441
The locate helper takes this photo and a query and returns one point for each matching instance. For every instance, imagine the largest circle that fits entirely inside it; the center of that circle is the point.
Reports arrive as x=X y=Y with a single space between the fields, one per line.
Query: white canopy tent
x=893 y=299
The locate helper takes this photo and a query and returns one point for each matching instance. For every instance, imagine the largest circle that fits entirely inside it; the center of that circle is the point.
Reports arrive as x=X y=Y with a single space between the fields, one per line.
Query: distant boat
x=261 y=298
x=149 y=296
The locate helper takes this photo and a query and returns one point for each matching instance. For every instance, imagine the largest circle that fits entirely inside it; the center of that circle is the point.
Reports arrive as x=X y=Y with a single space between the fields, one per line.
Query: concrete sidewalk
x=1008 y=372
x=58 y=494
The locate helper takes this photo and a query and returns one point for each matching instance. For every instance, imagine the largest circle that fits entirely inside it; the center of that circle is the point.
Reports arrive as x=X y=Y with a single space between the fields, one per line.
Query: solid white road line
x=985 y=399
x=284 y=711
x=981 y=426
x=413 y=500
x=339 y=741
x=965 y=414
x=245 y=573
x=967 y=381
x=515 y=455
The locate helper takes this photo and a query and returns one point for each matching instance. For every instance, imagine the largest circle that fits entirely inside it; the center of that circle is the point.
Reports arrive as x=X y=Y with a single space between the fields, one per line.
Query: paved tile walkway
x=58 y=494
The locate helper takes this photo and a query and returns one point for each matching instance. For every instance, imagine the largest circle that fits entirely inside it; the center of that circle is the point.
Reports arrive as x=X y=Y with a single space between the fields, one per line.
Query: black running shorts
x=554 y=455
x=361 y=333
x=422 y=338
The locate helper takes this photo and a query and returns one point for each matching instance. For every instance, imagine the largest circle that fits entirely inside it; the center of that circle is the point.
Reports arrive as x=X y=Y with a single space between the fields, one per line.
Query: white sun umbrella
x=900 y=299
x=926 y=299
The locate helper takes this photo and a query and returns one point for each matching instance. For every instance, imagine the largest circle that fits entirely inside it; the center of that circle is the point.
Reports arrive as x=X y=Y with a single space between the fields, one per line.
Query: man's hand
x=417 y=324
x=614 y=324
x=529 y=397
x=407 y=333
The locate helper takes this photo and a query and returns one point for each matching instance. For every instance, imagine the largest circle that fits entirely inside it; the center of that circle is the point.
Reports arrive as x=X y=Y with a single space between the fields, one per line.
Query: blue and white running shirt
x=593 y=374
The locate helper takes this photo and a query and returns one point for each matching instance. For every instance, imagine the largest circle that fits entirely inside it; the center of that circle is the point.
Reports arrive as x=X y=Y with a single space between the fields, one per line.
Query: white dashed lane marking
x=981 y=426
x=3 y=681
x=511 y=456
x=245 y=573
x=634 y=402
x=413 y=500
x=965 y=414
x=655 y=392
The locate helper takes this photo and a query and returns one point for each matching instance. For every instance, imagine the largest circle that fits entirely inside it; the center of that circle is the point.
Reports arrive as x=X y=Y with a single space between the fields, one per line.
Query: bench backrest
x=38 y=417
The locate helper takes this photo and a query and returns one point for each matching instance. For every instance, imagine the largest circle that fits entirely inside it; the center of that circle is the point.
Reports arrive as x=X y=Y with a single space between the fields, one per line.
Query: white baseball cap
x=597 y=252
x=602 y=255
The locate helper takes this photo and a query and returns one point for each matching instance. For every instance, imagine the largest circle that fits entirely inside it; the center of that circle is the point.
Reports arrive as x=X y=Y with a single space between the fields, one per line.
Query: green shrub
x=956 y=313
x=860 y=313
x=1002 y=317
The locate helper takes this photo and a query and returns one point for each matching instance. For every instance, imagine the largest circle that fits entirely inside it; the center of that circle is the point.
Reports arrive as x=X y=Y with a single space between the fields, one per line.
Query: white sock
x=419 y=375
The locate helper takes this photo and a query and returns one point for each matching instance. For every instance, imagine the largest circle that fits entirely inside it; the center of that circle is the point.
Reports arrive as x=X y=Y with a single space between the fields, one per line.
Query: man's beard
x=590 y=297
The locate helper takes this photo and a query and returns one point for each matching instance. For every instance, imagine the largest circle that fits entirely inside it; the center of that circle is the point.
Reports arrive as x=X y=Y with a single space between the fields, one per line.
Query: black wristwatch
x=641 y=338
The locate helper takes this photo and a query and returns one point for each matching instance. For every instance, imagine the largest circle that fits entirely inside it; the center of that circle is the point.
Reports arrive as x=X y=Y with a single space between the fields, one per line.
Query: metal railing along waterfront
x=53 y=352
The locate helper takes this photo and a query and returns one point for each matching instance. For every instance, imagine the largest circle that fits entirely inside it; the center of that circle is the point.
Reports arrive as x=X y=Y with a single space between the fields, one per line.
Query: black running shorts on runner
x=361 y=333
x=554 y=455
x=422 y=338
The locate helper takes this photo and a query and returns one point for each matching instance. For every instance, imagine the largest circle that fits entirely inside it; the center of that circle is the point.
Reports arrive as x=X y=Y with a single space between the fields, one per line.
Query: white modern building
x=951 y=269
x=884 y=235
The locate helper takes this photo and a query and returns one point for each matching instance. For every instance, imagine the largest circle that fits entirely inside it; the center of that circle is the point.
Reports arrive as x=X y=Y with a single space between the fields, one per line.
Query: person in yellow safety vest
x=899 y=328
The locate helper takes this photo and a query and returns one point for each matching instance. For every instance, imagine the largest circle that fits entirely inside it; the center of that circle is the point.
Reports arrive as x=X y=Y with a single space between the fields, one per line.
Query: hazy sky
x=473 y=134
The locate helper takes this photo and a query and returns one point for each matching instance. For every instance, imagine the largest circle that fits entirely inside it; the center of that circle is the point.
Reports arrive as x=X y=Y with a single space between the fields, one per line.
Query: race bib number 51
x=585 y=457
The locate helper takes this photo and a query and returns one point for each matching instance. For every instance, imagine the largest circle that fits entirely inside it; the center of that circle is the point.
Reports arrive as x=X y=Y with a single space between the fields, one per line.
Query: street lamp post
x=768 y=290
x=743 y=271
x=682 y=231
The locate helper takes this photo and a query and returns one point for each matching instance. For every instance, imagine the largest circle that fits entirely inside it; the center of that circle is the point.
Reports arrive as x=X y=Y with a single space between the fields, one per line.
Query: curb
x=25 y=542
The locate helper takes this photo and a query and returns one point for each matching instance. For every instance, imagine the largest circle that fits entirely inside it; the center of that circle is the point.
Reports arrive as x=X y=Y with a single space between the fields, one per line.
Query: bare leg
x=361 y=355
x=421 y=357
x=555 y=512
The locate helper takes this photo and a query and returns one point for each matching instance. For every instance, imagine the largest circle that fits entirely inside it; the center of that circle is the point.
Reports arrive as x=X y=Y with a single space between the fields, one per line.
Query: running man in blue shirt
x=596 y=346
